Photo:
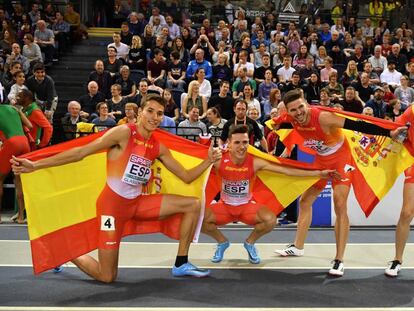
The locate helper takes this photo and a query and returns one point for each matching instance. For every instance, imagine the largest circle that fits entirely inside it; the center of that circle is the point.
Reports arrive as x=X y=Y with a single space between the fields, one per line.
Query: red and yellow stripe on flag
x=60 y=201
x=378 y=160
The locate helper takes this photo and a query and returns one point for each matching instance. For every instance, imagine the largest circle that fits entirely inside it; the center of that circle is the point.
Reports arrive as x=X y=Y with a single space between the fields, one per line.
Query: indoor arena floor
x=145 y=282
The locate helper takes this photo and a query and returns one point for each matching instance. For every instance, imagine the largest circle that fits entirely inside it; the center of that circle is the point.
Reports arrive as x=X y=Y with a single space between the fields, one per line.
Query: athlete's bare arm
x=260 y=164
x=115 y=137
x=214 y=154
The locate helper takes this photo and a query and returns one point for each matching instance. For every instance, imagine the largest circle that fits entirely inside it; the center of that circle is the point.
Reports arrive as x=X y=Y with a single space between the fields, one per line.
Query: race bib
x=236 y=192
x=138 y=171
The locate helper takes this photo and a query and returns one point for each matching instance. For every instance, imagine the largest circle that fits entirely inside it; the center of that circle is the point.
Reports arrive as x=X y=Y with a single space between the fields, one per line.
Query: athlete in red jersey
x=130 y=152
x=237 y=172
x=407 y=211
x=322 y=133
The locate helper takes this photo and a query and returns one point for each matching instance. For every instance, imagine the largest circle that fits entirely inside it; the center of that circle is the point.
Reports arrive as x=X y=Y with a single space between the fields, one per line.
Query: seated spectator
x=157 y=68
x=176 y=73
x=126 y=35
x=253 y=114
x=173 y=29
x=389 y=95
x=313 y=44
x=72 y=118
x=294 y=83
x=364 y=88
x=142 y=92
x=308 y=70
x=171 y=109
x=335 y=40
x=275 y=97
x=327 y=70
x=374 y=79
x=112 y=64
x=19 y=79
x=131 y=114
x=192 y=127
x=205 y=86
x=168 y=124
x=324 y=99
x=349 y=47
x=294 y=42
x=161 y=45
x=187 y=37
x=240 y=82
x=320 y=59
x=248 y=96
x=103 y=121
x=45 y=38
x=7 y=79
x=203 y=44
x=222 y=49
x=391 y=76
x=16 y=55
x=31 y=50
x=378 y=62
x=399 y=59
x=78 y=30
x=89 y=101
x=199 y=61
x=358 y=57
x=394 y=109
x=221 y=71
x=121 y=48
x=215 y=122
x=194 y=99
x=266 y=86
x=411 y=74
x=128 y=86
x=137 y=56
x=368 y=111
x=245 y=46
x=404 y=93
x=335 y=89
x=299 y=61
x=61 y=30
x=243 y=63
x=148 y=39
x=116 y=104
x=312 y=89
x=259 y=73
x=102 y=77
x=260 y=39
x=43 y=88
x=377 y=103
x=178 y=45
x=279 y=57
x=352 y=102
x=350 y=75
x=223 y=101
x=7 y=42
x=137 y=23
x=285 y=73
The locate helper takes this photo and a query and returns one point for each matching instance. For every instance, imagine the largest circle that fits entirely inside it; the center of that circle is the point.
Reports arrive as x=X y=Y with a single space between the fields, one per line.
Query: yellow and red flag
x=378 y=160
x=60 y=201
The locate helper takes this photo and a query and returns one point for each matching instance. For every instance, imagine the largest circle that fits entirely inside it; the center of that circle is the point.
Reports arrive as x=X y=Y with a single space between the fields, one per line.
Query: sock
x=180 y=260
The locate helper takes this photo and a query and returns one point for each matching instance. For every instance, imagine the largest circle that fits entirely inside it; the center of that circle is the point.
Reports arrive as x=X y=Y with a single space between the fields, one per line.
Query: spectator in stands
x=223 y=101
x=240 y=81
x=245 y=46
x=192 y=127
x=19 y=79
x=131 y=114
x=102 y=77
x=394 y=108
x=327 y=70
x=31 y=50
x=178 y=45
x=43 y=88
x=128 y=86
x=325 y=34
x=77 y=30
x=171 y=109
x=49 y=14
x=176 y=73
x=294 y=83
x=221 y=71
x=25 y=28
x=279 y=56
x=368 y=111
x=156 y=14
x=116 y=104
x=174 y=30
x=205 y=86
x=35 y=14
x=121 y=48
x=137 y=23
x=259 y=73
x=7 y=79
x=188 y=39
x=265 y=87
x=334 y=88
x=260 y=39
x=294 y=42
x=308 y=70
x=373 y=76
x=398 y=58
x=350 y=75
x=238 y=32
x=240 y=110
x=367 y=29
x=321 y=57
x=391 y=76
x=157 y=69
x=126 y=35
x=89 y=101
x=42 y=129
x=16 y=56
x=404 y=93
x=312 y=89
x=103 y=121
x=324 y=99
x=199 y=61
x=193 y=98
x=203 y=44
x=137 y=59
x=285 y=73
x=70 y=120
x=358 y=57
x=243 y=56
x=253 y=114
x=6 y=42
x=377 y=103
x=215 y=122
x=352 y=102
x=379 y=63
x=45 y=38
x=112 y=63
x=61 y=30
x=248 y=96
x=364 y=88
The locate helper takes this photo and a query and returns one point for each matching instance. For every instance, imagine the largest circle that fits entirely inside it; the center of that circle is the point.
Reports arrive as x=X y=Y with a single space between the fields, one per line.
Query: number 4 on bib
x=107 y=223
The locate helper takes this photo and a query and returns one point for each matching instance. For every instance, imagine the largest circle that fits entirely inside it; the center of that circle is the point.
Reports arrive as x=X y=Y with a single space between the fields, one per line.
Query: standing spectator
x=157 y=68
x=121 y=48
x=31 y=50
x=192 y=127
x=176 y=73
x=223 y=101
x=103 y=121
x=199 y=61
x=377 y=104
x=70 y=120
x=61 y=30
x=16 y=56
x=102 y=77
x=376 y=11
x=91 y=99
x=43 y=88
x=404 y=93
x=45 y=38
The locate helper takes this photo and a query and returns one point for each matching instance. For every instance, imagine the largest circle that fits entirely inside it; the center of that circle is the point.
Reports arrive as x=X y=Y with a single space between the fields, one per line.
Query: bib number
x=107 y=223
x=138 y=171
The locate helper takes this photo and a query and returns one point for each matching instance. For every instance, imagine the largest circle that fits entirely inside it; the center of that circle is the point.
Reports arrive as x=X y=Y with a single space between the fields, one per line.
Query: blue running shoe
x=57 y=269
x=252 y=252
x=189 y=269
x=221 y=248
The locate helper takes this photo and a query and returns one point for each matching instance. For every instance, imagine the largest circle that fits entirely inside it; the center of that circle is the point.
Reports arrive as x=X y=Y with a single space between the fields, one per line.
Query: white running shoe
x=337 y=268
x=393 y=268
x=290 y=250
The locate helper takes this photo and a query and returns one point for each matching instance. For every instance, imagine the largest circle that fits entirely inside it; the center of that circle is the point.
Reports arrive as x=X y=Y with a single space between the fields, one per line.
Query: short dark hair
x=224 y=82
x=175 y=55
x=98 y=105
x=238 y=129
x=240 y=101
x=155 y=97
x=158 y=51
x=26 y=93
x=38 y=66
x=292 y=96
